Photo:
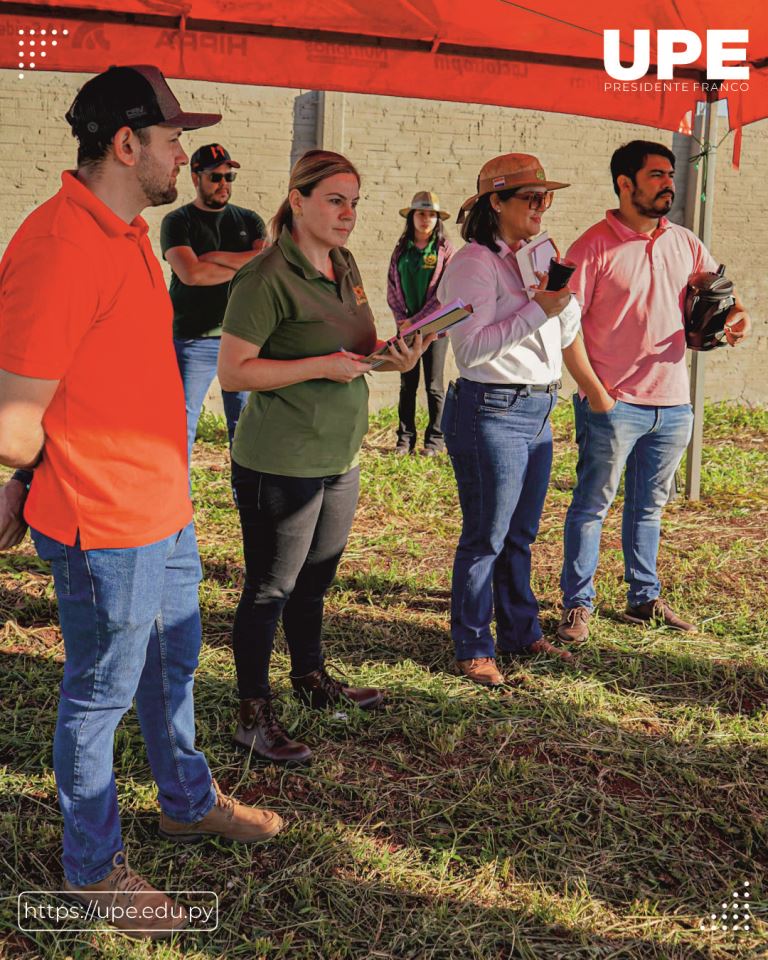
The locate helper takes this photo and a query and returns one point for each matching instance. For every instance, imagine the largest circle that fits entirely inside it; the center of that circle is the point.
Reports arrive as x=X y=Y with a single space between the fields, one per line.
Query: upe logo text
x=675 y=48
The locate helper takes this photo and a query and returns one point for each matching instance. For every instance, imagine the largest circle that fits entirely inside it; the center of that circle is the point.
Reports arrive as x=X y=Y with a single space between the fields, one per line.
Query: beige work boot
x=229 y=819
x=482 y=670
x=127 y=902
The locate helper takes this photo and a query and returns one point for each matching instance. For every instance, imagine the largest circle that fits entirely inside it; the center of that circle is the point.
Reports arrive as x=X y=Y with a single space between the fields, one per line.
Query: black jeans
x=294 y=533
x=433 y=360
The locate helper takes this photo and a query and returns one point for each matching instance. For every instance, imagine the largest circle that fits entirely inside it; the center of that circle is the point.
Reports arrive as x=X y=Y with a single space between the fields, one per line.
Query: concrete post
x=330 y=121
x=693 y=462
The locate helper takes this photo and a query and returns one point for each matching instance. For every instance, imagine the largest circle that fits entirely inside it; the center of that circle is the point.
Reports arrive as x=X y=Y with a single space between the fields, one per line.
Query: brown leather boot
x=260 y=732
x=574 y=625
x=152 y=915
x=320 y=690
x=482 y=670
x=228 y=819
x=544 y=646
x=657 y=612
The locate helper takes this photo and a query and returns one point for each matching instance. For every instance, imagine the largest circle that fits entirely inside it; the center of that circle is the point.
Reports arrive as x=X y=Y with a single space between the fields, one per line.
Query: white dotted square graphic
x=28 y=46
x=737 y=914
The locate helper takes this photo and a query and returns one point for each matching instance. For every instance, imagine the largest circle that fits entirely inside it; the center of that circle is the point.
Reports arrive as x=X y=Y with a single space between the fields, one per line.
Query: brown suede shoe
x=544 y=646
x=657 y=612
x=320 y=690
x=482 y=670
x=574 y=625
x=260 y=732
x=153 y=915
x=228 y=819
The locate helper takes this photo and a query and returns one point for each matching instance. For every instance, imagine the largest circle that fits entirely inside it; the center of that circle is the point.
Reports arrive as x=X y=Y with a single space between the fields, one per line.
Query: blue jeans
x=500 y=444
x=131 y=626
x=197 y=359
x=650 y=441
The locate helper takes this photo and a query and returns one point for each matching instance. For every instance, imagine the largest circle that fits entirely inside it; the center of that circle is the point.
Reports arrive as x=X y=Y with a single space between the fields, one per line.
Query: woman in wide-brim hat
x=496 y=418
x=415 y=269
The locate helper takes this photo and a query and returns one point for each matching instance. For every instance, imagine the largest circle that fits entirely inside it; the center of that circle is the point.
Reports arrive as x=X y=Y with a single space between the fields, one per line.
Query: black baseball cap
x=135 y=97
x=211 y=155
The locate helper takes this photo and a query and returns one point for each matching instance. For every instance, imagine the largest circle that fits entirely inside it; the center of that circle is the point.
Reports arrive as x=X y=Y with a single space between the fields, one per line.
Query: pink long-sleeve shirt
x=509 y=338
x=631 y=287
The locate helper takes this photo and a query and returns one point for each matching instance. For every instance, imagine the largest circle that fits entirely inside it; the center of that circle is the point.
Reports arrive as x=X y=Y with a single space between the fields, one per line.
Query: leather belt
x=530 y=387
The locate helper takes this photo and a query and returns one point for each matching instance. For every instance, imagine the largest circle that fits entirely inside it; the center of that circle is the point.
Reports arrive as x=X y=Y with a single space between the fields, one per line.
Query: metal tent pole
x=693 y=461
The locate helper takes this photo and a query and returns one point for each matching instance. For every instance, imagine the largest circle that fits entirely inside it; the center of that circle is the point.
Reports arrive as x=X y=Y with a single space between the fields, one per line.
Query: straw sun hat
x=510 y=171
x=425 y=200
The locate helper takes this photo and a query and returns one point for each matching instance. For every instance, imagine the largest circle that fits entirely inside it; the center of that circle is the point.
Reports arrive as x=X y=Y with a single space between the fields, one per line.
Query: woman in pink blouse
x=496 y=417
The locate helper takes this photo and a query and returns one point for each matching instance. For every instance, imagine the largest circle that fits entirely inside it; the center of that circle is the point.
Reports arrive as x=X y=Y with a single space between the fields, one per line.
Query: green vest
x=416 y=268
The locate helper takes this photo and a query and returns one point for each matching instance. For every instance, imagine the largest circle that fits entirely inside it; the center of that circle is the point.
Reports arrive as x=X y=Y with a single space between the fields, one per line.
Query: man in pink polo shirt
x=632 y=272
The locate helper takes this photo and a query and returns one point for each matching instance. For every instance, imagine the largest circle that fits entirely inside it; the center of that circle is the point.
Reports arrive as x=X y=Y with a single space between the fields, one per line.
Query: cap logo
x=540 y=175
x=217 y=150
x=499 y=181
x=135 y=112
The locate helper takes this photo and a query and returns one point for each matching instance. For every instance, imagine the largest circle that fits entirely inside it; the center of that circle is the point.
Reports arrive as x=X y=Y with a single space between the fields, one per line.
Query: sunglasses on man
x=218 y=177
x=536 y=201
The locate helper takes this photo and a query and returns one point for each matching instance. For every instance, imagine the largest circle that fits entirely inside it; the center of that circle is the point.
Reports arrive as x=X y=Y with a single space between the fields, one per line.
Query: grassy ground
x=604 y=812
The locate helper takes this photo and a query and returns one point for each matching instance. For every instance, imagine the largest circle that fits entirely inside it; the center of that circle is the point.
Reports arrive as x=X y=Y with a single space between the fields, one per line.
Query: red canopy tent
x=541 y=54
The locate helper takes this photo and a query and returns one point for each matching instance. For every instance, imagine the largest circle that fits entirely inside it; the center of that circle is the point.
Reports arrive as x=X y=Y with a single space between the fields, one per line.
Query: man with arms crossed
x=90 y=397
x=206 y=242
x=633 y=408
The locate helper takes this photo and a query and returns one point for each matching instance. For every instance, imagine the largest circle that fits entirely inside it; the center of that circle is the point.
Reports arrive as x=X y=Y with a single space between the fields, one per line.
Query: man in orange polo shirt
x=91 y=398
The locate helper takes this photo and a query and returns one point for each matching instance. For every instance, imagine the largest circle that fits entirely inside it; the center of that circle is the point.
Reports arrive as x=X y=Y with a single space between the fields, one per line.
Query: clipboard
x=438 y=322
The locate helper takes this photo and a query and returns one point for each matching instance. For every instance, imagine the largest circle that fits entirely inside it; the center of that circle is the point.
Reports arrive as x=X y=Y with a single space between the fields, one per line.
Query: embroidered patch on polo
x=360 y=297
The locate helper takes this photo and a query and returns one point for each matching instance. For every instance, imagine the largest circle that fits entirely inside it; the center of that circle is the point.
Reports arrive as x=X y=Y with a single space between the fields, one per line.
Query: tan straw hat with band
x=425 y=200
x=509 y=172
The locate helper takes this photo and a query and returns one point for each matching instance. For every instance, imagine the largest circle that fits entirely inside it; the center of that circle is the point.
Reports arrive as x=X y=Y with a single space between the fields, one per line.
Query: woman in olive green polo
x=296 y=328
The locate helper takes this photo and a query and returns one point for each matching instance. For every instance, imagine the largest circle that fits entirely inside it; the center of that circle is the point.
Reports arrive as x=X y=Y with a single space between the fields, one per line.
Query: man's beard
x=157 y=190
x=161 y=195
x=213 y=204
x=667 y=199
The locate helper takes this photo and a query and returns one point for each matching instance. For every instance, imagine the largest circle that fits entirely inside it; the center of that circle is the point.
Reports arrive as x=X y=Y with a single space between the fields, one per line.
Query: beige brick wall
x=402 y=145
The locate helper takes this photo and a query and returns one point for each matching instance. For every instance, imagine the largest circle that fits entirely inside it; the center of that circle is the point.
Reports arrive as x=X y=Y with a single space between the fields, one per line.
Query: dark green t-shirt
x=199 y=310
x=285 y=306
x=416 y=267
